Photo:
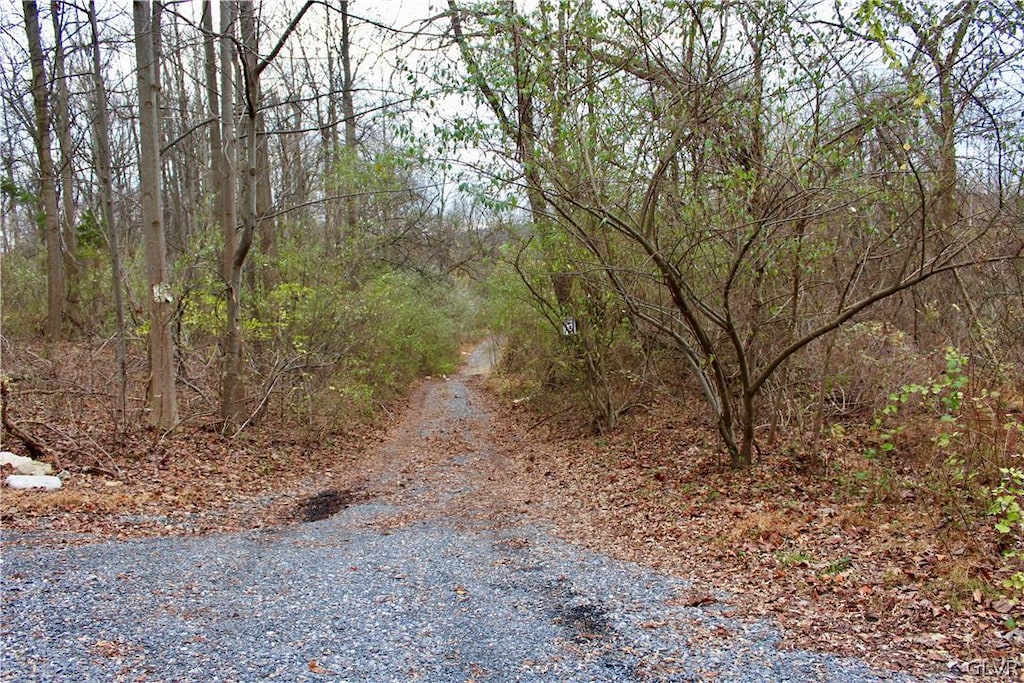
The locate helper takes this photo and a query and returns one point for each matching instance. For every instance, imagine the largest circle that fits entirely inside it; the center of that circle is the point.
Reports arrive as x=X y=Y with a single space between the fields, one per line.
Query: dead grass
x=64 y=501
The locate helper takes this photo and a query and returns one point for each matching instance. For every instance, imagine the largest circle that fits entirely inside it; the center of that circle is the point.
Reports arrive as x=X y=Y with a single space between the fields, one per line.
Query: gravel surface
x=437 y=597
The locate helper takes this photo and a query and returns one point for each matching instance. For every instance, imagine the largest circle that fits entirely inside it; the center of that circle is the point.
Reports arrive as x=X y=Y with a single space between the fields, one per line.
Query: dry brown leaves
x=889 y=580
x=138 y=481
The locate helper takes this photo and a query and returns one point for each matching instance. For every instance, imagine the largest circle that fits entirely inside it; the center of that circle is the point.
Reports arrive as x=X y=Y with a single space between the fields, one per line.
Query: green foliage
x=91 y=234
x=792 y=558
x=925 y=423
x=202 y=314
x=600 y=369
x=202 y=308
x=287 y=313
x=352 y=337
x=952 y=420
x=24 y=293
x=413 y=333
x=329 y=334
x=395 y=329
x=91 y=284
x=838 y=566
x=528 y=334
x=17 y=193
x=1006 y=503
x=869 y=17
x=1007 y=509
x=941 y=397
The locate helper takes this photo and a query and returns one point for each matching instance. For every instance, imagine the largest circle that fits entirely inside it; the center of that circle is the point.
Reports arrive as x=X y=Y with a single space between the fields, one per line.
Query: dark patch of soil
x=587 y=621
x=327 y=503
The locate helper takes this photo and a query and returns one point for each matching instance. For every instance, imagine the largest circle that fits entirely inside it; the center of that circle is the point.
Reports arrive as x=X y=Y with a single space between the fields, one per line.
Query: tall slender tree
x=101 y=145
x=227 y=198
x=55 y=285
x=348 y=111
x=163 y=404
x=233 y=404
x=66 y=170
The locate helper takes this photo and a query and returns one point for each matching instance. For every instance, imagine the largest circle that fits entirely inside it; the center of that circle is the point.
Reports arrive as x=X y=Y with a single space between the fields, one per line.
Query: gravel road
x=401 y=587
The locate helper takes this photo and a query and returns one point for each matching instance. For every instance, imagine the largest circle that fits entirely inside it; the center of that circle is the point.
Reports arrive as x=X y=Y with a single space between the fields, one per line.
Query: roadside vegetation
x=765 y=287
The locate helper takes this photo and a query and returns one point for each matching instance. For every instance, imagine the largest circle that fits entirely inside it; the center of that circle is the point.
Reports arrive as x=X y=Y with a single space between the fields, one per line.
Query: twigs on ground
x=38 y=449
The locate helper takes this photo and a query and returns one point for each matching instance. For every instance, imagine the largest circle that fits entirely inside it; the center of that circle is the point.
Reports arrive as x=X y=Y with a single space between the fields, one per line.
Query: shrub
x=600 y=367
x=1007 y=509
x=24 y=293
x=348 y=349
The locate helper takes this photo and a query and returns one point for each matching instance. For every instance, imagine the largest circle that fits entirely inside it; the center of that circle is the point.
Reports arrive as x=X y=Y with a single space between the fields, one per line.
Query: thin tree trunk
x=9 y=210
x=266 y=225
x=348 y=111
x=332 y=171
x=62 y=122
x=48 y=188
x=213 y=106
x=101 y=142
x=294 y=165
x=226 y=184
x=162 y=393
x=174 y=164
x=233 y=409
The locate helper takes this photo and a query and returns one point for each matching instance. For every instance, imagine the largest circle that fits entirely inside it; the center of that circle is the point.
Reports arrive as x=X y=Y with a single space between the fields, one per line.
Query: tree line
x=209 y=162
x=731 y=183
x=723 y=198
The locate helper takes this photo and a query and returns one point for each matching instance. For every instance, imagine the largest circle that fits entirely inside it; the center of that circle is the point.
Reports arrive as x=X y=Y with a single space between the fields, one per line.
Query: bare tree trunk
x=8 y=211
x=175 y=164
x=48 y=188
x=213 y=105
x=101 y=142
x=162 y=394
x=226 y=184
x=233 y=409
x=293 y=164
x=62 y=122
x=348 y=111
x=266 y=224
x=332 y=154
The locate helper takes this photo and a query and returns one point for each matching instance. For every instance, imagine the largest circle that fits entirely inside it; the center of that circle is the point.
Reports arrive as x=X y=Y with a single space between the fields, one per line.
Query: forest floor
x=882 y=578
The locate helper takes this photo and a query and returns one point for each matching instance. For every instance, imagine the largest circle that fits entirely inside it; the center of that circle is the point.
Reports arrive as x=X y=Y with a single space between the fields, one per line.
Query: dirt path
x=432 y=569
x=449 y=458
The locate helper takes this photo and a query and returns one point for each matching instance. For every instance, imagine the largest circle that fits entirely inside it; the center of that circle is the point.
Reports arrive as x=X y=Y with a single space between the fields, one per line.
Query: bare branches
x=740 y=225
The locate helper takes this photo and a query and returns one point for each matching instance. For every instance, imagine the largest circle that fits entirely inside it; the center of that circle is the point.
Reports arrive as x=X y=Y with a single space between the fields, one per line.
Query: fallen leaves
x=838 y=573
x=694 y=599
x=316 y=667
x=210 y=485
x=113 y=649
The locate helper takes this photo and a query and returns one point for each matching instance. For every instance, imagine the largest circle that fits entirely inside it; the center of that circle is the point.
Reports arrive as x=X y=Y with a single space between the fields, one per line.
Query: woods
x=718 y=188
x=223 y=201
x=798 y=225
x=759 y=209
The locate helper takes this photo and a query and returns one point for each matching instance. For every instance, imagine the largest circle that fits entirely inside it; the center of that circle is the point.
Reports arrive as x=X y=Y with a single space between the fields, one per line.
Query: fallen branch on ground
x=38 y=449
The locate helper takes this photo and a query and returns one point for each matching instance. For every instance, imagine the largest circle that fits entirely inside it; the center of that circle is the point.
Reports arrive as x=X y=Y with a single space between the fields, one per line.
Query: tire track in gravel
x=438 y=575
